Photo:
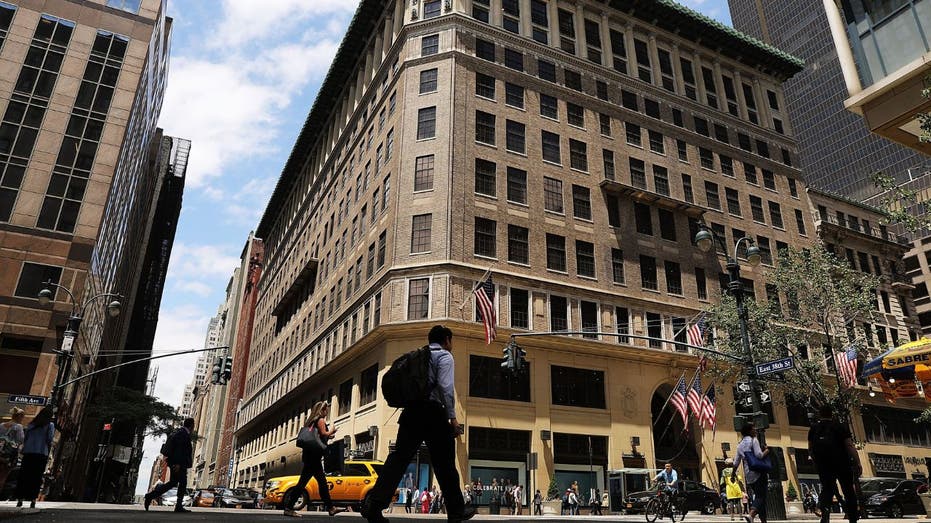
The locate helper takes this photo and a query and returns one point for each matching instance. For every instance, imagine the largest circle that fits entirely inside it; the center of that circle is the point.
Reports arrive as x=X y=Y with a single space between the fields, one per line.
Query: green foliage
x=897 y=202
x=552 y=491
x=817 y=300
x=791 y=493
x=134 y=408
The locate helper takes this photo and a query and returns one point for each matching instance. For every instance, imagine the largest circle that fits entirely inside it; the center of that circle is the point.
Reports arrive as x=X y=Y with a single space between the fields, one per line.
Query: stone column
x=677 y=69
x=631 y=55
x=844 y=53
x=654 y=60
x=607 y=51
x=741 y=100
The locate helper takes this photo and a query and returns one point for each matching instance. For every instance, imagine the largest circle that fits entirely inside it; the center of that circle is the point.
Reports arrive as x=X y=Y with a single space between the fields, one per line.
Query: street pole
x=736 y=288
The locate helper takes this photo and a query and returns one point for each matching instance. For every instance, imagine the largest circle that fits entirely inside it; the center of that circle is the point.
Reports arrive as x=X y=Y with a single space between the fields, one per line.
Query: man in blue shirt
x=433 y=422
x=669 y=477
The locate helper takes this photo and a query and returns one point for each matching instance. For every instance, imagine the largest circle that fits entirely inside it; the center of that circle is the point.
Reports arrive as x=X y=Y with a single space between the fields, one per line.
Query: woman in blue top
x=39 y=435
x=756 y=481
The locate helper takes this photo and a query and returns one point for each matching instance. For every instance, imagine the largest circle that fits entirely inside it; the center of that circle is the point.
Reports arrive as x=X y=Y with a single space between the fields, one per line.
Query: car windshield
x=875 y=485
x=243 y=493
x=377 y=469
x=171 y=493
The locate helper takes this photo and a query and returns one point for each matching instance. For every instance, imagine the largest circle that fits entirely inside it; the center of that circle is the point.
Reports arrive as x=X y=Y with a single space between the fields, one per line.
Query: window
x=617 y=265
x=550 y=142
x=665 y=69
x=485 y=86
x=775 y=215
x=555 y=253
x=601 y=90
x=643 y=218
x=431 y=9
x=618 y=51
x=769 y=180
x=429 y=45
x=607 y=160
x=578 y=155
x=677 y=119
x=743 y=141
x=382 y=248
x=485 y=237
x=549 y=106
x=762 y=148
x=604 y=123
x=648 y=273
x=488 y=380
x=428 y=81
x=733 y=201
x=687 y=192
x=426 y=123
x=510 y=20
x=585 y=258
x=673 y=277
x=701 y=126
x=423 y=173
x=515 y=137
x=756 y=209
x=701 y=283
x=575 y=114
x=661 y=180
x=667 y=224
x=518 y=244
x=418 y=299
x=513 y=59
x=711 y=93
x=577 y=387
x=485 y=49
x=484 y=127
x=514 y=95
x=552 y=195
x=629 y=100
x=131 y=6
x=573 y=79
x=421 y=233
x=517 y=185
x=682 y=151
x=593 y=41
x=644 y=69
x=638 y=174
x=539 y=17
x=581 y=202
x=766 y=253
x=731 y=94
x=800 y=222
x=793 y=188
x=656 y=142
x=720 y=133
x=485 y=177
x=33 y=277
x=546 y=70
x=750 y=173
x=688 y=78
x=622 y=319
x=632 y=132
x=706 y=158
x=751 y=104
x=480 y=10
x=559 y=314
x=520 y=309
x=345 y=396
x=711 y=193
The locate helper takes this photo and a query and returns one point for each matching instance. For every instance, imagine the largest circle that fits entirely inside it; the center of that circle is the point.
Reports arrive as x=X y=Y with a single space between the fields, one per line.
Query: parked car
x=203 y=498
x=698 y=497
x=232 y=498
x=348 y=488
x=892 y=498
x=170 y=498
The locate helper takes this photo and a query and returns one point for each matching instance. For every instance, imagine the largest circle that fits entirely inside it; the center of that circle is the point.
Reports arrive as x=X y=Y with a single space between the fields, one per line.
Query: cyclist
x=670 y=478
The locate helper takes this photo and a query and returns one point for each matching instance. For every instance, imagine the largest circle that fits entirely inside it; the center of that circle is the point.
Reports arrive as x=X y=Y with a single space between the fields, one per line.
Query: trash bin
x=926 y=501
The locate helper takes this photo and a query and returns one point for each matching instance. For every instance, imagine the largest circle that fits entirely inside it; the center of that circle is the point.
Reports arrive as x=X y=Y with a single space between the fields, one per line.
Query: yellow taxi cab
x=348 y=488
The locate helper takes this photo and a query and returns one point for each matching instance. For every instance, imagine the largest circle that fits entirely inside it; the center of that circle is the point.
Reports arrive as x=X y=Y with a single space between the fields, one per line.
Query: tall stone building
x=567 y=148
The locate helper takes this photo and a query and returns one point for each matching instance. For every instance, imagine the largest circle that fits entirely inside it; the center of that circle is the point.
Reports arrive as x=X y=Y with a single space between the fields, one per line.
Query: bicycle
x=665 y=504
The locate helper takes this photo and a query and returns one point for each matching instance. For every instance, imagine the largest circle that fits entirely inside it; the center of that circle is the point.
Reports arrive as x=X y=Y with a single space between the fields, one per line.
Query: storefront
x=497 y=460
x=580 y=459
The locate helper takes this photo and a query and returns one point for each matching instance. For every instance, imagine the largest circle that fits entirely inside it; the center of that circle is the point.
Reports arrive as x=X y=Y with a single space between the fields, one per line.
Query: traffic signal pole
x=150 y=358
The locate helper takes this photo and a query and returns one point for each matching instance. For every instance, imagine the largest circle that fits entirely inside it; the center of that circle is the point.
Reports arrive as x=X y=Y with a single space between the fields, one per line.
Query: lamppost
x=66 y=354
x=705 y=238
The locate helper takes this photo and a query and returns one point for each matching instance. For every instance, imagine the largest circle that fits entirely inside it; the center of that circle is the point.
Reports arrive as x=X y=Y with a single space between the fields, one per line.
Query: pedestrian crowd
x=28 y=449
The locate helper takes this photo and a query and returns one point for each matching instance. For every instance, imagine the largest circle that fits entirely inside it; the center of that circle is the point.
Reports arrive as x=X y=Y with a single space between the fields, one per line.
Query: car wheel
x=709 y=507
x=303 y=501
x=895 y=511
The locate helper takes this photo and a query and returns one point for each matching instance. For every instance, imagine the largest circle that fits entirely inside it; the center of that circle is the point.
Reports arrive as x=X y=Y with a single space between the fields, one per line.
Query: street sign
x=775 y=366
x=23 y=399
x=743 y=386
x=765 y=397
x=748 y=401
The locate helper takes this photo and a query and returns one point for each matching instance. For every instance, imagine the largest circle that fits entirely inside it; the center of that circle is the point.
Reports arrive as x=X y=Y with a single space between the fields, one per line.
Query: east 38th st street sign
x=775 y=366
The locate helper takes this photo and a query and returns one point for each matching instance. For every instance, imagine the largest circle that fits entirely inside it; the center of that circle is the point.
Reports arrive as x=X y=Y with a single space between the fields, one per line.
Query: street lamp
x=705 y=239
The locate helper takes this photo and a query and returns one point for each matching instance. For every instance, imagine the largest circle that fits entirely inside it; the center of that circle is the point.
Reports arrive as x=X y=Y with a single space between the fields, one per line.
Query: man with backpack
x=835 y=455
x=179 y=453
x=424 y=388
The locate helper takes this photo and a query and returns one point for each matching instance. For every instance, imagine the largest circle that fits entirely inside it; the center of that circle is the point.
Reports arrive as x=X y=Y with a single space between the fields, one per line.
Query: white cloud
x=202 y=262
x=195 y=287
x=245 y=20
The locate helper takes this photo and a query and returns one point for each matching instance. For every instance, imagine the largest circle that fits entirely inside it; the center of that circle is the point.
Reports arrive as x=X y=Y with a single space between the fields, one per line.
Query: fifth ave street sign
x=22 y=399
x=775 y=366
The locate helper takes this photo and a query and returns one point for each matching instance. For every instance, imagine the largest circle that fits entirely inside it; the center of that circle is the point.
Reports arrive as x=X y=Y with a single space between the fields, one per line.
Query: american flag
x=678 y=399
x=696 y=333
x=709 y=413
x=846 y=364
x=694 y=397
x=484 y=298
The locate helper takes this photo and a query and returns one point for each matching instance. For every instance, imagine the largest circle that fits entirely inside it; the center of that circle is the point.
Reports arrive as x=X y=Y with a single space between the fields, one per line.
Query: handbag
x=758 y=464
x=309 y=439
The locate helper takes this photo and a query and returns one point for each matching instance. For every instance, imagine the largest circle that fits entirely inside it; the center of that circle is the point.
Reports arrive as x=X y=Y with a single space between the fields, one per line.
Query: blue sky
x=243 y=76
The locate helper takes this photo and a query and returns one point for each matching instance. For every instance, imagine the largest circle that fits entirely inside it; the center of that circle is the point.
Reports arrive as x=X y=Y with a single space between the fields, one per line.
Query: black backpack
x=408 y=380
x=827 y=442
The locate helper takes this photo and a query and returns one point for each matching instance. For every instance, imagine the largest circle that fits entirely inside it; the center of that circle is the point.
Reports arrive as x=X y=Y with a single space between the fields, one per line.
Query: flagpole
x=689 y=322
x=669 y=398
x=469 y=298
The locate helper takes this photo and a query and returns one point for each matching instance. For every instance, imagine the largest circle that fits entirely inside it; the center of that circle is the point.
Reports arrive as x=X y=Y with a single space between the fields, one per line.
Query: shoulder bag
x=758 y=464
x=309 y=438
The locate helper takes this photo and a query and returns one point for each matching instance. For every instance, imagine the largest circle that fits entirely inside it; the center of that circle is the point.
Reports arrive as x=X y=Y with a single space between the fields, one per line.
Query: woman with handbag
x=313 y=440
x=11 y=439
x=756 y=470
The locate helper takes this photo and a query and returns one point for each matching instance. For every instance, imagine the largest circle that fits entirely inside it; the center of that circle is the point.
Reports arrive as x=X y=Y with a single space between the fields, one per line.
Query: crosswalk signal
x=217 y=370
x=520 y=356
x=227 y=368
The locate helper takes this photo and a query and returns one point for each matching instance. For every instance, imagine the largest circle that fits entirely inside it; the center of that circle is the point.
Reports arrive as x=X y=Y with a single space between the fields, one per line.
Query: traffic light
x=520 y=357
x=217 y=370
x=227 y=368
x=507 y=361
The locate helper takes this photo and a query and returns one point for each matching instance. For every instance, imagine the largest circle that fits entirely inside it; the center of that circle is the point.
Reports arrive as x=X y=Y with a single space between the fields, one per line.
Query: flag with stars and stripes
x=678 y=399
x=846 y=365
x=485 y=300
x=709 y=412
x=695 y=395
x=696 y=332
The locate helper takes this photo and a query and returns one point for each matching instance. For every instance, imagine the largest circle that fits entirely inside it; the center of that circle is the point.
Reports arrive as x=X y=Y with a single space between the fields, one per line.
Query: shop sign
x=887 y=463
x=912 y=460
x=366 y=447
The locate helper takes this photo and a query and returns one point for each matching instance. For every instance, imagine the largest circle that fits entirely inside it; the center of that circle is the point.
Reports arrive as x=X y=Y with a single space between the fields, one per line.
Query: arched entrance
x=671 y=442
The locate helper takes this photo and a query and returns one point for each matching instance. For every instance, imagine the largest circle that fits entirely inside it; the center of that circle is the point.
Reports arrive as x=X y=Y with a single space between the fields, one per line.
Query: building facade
x=837 y=152
x=568 y=148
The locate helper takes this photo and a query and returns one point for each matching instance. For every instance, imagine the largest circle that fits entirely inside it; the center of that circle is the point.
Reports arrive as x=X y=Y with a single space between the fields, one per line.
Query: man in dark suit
x=179 y=453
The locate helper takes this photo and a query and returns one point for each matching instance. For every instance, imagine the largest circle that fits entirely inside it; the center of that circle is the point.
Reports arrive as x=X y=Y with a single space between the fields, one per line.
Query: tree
x=552 y=491
x=129 y=407
x=813 y=299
